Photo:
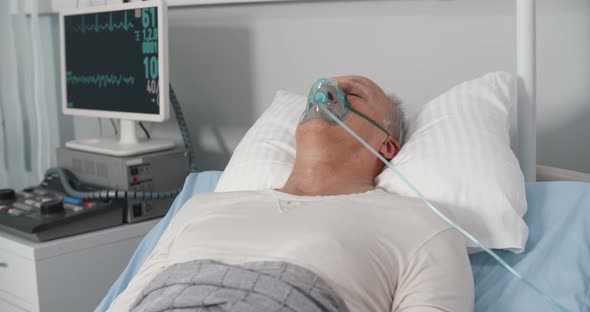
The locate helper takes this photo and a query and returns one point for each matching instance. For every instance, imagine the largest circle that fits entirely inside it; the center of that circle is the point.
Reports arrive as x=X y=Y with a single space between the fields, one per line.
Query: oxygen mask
x=326 y=92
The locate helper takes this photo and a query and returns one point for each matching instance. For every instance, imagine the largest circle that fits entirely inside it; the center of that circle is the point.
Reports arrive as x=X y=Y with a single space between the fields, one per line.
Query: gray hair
x=396 y=122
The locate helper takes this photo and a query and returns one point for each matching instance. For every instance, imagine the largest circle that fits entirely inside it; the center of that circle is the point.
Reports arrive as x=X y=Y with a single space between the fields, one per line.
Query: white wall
x=227 y=61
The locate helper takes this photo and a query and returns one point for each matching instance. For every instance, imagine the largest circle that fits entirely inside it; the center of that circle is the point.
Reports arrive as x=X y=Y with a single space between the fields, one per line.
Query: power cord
x=114 y=126
x=186 y=137
x=147 y=134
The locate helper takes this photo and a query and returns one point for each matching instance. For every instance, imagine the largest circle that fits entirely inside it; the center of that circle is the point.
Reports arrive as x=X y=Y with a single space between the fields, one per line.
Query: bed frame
x=527 y=112
x=546 y=173
x=526 y=79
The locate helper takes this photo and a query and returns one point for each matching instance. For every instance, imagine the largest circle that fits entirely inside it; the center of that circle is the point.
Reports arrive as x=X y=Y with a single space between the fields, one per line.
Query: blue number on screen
x=149 y=47
x=146 y=19
x=150 y=34
x=146 y=65
x=151 y=67
x=154 y=67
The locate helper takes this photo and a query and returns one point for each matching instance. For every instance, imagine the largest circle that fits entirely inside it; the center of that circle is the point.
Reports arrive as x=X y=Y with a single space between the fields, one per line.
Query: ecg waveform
x=100 y=80
x=97 y=27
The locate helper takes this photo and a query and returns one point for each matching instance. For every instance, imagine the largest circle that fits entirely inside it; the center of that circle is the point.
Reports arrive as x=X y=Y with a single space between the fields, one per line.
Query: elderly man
x=328 y=240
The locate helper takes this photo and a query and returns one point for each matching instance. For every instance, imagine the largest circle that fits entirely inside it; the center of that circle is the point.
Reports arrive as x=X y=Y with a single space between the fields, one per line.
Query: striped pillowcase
x=458 y=154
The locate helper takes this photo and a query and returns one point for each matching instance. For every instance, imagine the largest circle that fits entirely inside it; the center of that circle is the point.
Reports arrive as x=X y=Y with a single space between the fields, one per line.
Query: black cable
x=114 y=126
x=147 y=134
x=62 y=175
x=186 y=137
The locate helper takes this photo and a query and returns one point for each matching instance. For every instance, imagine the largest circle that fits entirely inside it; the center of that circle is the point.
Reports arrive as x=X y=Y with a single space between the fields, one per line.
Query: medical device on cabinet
x=114 y=64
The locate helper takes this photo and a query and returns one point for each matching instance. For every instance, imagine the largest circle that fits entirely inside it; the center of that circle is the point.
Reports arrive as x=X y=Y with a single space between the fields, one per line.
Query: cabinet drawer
x=17 y=278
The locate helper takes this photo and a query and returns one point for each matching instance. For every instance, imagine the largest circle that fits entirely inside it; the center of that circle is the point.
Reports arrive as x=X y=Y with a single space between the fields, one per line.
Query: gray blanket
x=207 y=286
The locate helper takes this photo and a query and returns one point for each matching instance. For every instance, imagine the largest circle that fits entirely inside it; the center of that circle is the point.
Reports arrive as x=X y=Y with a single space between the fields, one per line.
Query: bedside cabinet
x=65 y=275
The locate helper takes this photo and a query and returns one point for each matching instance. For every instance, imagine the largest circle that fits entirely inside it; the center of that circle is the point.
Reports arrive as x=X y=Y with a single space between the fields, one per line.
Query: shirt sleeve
x=438 y=277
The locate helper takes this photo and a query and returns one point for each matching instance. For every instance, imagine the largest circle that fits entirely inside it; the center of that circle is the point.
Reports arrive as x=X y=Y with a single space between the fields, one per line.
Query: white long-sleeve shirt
x=378 y=251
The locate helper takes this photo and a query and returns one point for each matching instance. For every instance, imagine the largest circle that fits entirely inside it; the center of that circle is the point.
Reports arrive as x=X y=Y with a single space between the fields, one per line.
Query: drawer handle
x=3 y=265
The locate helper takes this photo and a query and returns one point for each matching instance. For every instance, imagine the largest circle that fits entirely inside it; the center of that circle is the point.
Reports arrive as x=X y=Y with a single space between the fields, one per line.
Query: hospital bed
x=558 y=249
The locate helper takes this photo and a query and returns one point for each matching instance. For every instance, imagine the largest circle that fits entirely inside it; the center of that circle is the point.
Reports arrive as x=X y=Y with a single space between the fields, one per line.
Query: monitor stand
x=127 y=145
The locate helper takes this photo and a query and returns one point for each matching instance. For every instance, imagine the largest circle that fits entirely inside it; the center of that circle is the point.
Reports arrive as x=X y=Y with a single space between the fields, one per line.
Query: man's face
x=367 y=97
x=364 y=96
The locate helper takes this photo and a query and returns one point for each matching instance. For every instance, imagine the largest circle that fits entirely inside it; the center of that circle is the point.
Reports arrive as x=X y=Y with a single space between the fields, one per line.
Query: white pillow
x=457 y=153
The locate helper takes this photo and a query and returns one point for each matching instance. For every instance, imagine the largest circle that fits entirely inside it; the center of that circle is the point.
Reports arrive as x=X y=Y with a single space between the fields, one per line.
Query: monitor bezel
x=162 y=62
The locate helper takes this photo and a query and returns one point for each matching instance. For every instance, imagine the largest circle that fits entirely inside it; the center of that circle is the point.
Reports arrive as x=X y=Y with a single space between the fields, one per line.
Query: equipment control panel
x=45 y=212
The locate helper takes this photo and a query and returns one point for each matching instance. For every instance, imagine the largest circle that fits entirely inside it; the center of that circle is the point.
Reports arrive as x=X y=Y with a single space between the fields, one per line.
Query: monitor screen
x=111 y=61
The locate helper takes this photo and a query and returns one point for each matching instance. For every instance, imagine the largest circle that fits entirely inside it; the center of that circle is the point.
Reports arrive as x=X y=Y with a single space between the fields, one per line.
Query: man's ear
x=389 y=148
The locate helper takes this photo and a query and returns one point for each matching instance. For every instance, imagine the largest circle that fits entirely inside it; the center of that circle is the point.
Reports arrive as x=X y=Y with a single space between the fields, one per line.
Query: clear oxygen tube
x=523 y=279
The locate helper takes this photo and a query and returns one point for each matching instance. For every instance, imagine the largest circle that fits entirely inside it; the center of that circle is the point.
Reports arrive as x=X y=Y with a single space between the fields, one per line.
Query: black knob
x=7 y=194
x=53 y=206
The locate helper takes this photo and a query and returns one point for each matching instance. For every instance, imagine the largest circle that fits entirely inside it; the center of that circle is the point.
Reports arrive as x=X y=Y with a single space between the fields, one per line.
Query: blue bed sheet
x=557 y=256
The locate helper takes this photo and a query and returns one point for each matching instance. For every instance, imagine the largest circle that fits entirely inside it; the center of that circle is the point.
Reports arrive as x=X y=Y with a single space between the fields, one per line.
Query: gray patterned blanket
x=208 y=286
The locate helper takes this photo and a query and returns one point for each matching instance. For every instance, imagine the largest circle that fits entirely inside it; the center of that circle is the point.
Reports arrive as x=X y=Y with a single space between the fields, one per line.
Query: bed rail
x=546 y=173
x=526 y=73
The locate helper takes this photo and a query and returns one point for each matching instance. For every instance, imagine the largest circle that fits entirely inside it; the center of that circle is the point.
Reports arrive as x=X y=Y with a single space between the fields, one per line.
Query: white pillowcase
x=457 y=153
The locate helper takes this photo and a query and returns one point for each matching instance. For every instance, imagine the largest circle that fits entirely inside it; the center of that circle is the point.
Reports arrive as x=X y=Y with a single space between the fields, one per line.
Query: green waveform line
x=97 y=27
x=99 y=80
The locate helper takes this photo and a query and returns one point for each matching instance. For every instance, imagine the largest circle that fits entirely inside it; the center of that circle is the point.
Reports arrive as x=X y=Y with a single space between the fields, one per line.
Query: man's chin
x=320 y=132
x=316 y=125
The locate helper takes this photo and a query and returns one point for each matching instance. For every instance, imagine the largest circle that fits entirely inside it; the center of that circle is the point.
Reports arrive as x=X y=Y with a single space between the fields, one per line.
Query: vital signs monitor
x=114 y=64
